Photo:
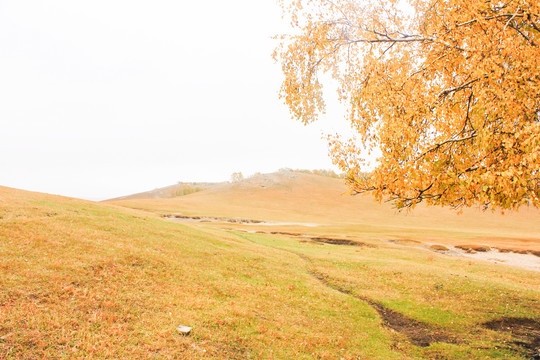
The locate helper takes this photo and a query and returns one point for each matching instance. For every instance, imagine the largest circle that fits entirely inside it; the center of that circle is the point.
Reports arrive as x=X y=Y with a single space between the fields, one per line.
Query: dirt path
x=524 y=332
x=419 y=333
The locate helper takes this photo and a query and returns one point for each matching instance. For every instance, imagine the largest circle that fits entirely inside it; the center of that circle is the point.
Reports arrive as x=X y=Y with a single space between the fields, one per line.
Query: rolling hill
x=179 y=189
x=295 y=197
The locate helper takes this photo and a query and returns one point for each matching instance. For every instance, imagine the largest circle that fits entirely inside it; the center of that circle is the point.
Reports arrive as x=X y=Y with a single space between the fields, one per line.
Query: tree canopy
x=445 y=94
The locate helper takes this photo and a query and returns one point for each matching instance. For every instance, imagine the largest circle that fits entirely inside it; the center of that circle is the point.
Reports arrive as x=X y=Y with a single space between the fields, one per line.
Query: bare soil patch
x=523 y=258
x=186 y=218
x=519 y=251
x=324 y=239
x=439 y=248
x=240 y=221
x=473 y=248
x=512 y=244
x=525 y=332
x=405 y=241
x=334 y=241
x=281 y=233
x=419 y=333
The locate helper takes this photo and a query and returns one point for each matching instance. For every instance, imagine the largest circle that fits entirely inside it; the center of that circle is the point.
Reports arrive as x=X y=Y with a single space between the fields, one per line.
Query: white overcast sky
x=105 y=98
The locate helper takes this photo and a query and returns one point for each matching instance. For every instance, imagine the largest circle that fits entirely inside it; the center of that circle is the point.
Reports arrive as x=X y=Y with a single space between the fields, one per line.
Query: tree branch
x=511 y=18
x=490 y=18
x=457 y=88
x=449 y=141
x=522 y=34
x=467 y=117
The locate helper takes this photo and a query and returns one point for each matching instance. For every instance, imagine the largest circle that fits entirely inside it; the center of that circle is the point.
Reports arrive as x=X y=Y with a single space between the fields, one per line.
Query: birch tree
x=446 y=94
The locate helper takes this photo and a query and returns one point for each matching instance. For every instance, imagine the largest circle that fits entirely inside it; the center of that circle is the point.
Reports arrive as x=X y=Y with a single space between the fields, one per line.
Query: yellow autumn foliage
x=446 y=93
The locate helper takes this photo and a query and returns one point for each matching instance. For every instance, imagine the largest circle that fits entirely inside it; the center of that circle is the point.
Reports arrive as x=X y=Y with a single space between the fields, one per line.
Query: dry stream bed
x=525 y=259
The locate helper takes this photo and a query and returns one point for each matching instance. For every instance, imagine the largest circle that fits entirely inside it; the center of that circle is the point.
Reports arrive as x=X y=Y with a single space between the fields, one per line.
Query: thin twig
x=457 y=88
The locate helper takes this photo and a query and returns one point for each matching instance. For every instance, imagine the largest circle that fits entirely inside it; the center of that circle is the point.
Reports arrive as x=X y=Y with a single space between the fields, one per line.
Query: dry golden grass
x=299 y=197
x=86 y=280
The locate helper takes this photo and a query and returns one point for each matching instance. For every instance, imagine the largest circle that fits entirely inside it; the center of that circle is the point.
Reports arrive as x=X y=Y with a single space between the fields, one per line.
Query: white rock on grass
x=183 y=330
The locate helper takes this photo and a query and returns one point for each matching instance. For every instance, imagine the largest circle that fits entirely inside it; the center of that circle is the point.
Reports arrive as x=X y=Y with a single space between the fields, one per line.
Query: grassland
x=306 y=198
x=87 y=280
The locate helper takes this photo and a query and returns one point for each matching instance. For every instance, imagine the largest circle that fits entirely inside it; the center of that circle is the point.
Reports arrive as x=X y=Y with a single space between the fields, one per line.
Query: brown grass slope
x=298 y=197
x=180 y=189
x=81 y=280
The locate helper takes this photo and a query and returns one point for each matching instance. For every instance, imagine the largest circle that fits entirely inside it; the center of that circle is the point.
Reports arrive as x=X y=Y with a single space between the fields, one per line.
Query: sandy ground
x=525 y=261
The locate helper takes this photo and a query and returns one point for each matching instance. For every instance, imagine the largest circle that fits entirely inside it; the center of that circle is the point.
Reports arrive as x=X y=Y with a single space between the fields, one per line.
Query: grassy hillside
x=300 y=197
x=179 y=189
x=86 y=280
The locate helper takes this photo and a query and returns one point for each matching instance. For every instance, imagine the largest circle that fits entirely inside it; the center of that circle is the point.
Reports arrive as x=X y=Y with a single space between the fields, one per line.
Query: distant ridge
x=171 y=191
x=186 y=188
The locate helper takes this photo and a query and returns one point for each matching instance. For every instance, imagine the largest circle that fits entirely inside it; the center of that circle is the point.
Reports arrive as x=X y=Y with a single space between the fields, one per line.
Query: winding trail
x=419 y=333
x=525 y=332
